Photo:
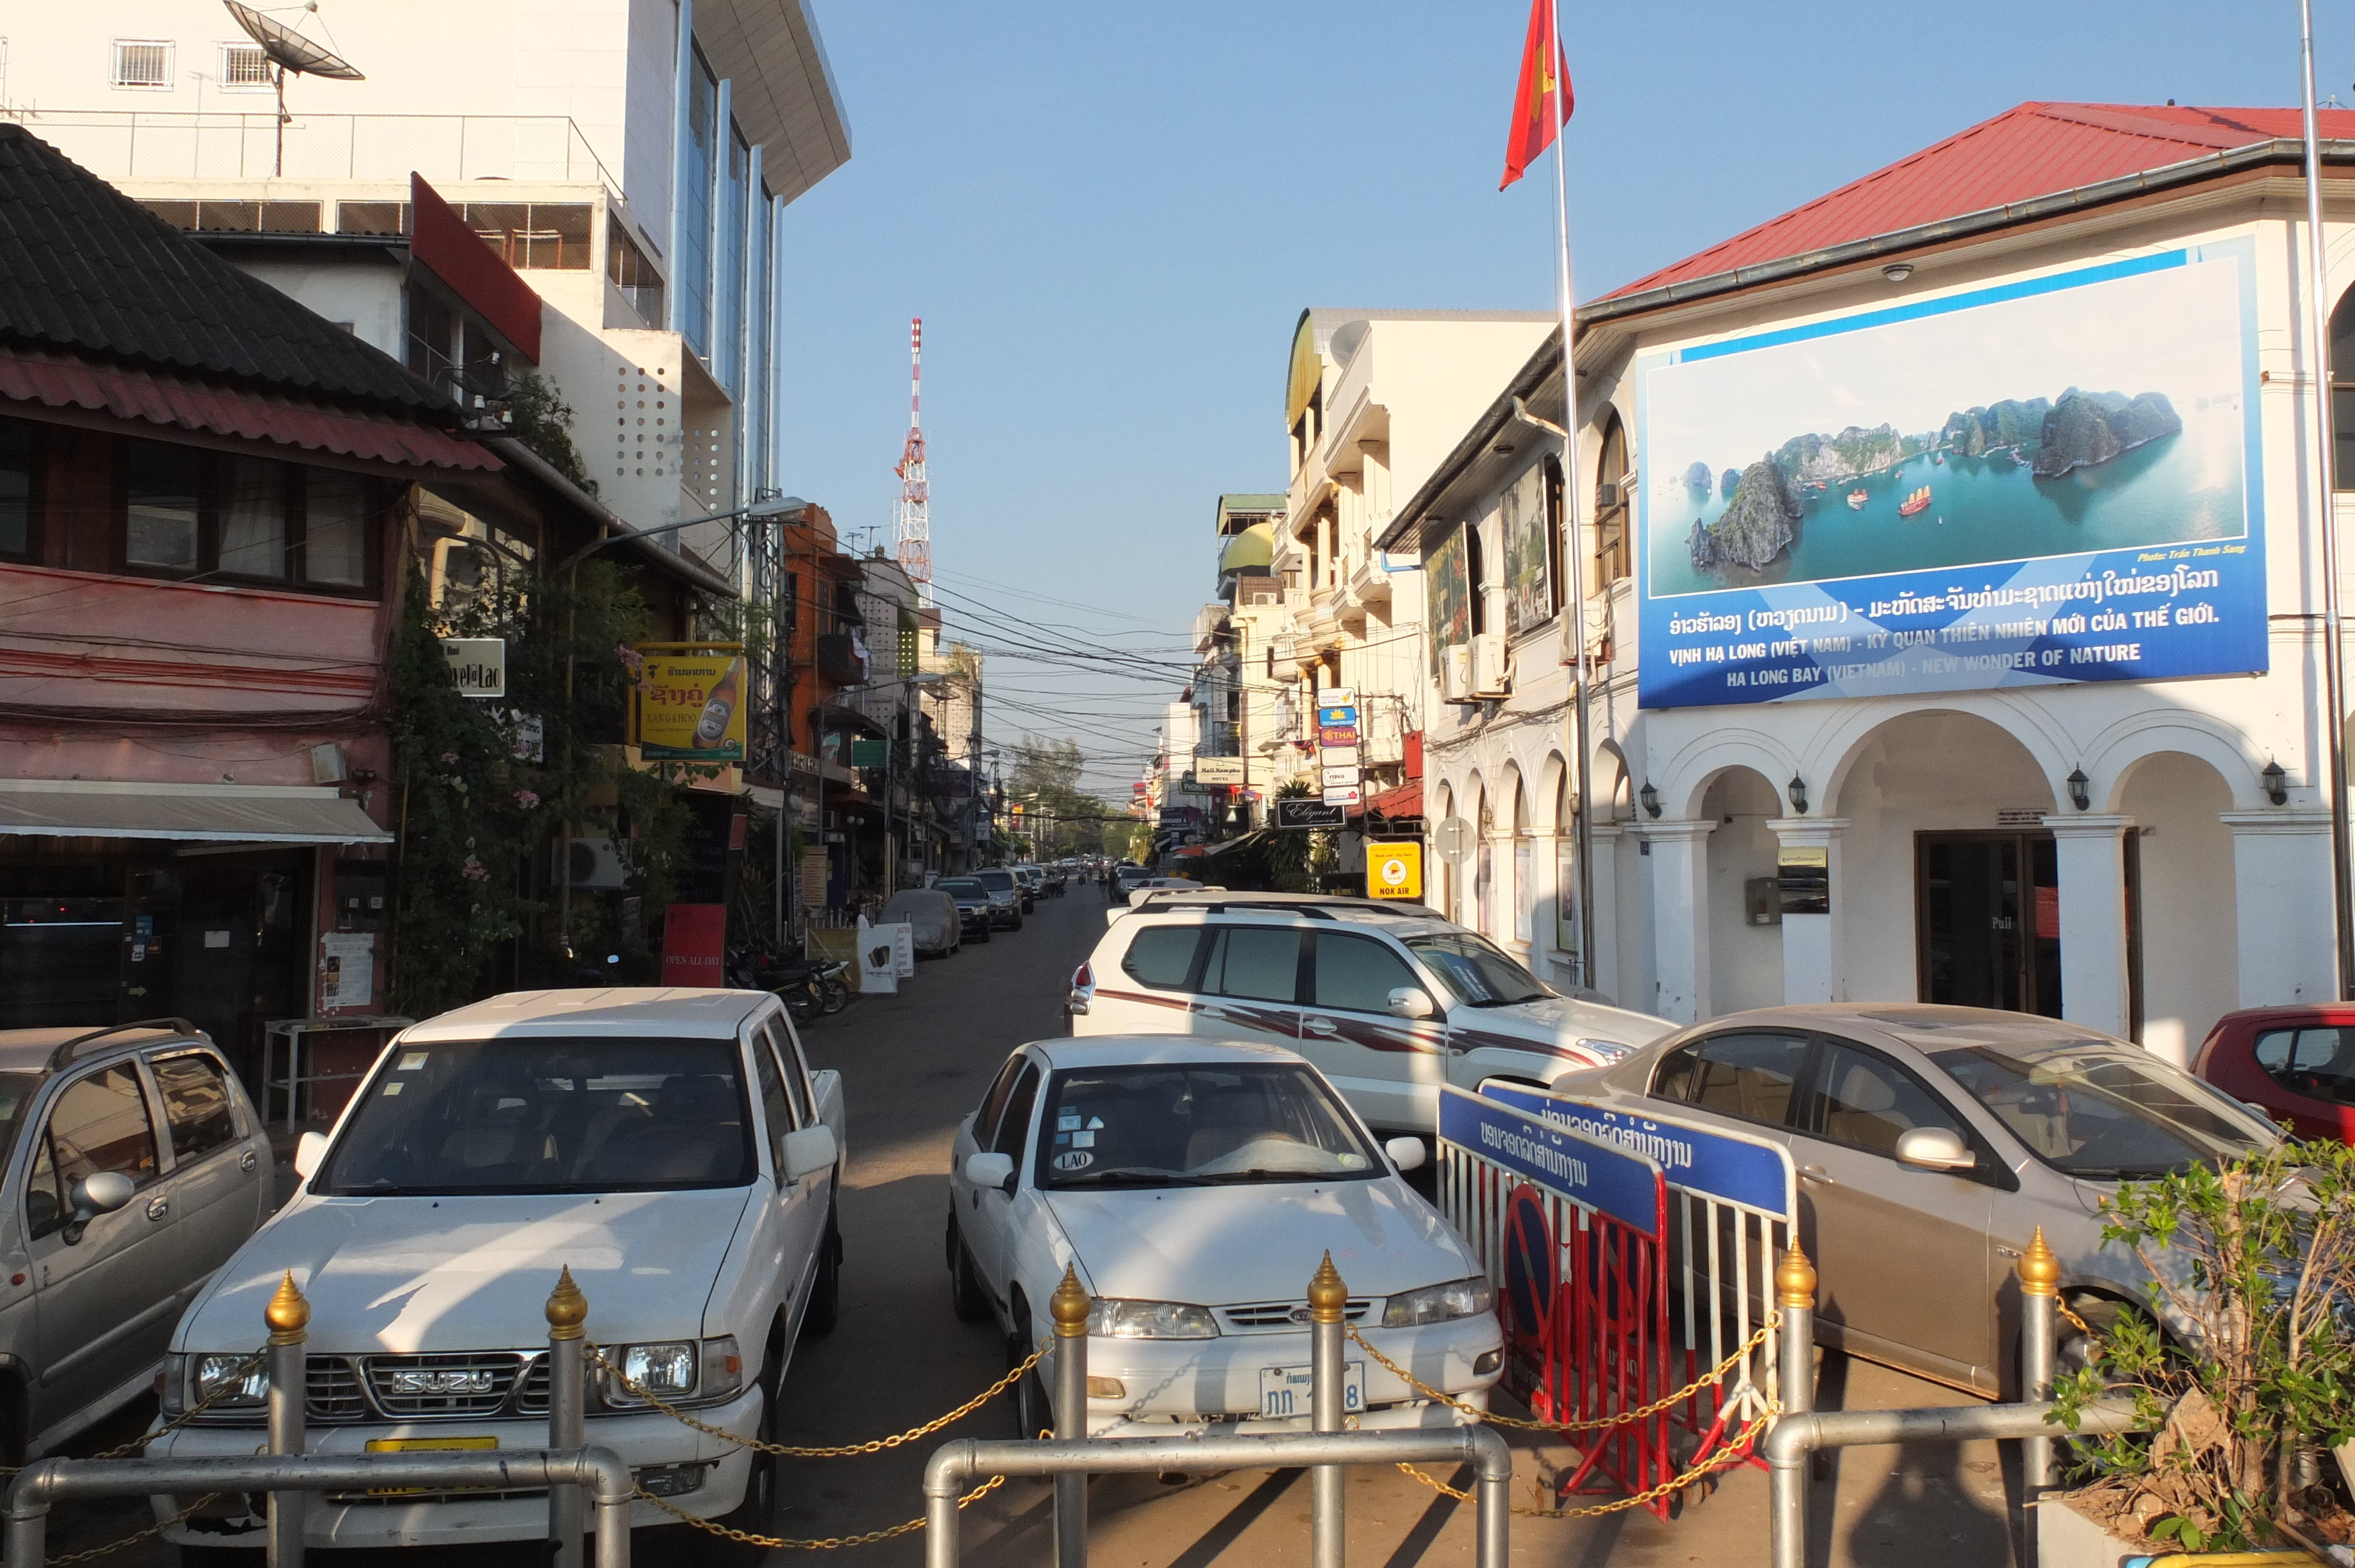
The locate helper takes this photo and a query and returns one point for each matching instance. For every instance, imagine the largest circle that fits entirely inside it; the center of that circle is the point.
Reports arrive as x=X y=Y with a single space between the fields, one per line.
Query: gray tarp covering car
x=932 y=913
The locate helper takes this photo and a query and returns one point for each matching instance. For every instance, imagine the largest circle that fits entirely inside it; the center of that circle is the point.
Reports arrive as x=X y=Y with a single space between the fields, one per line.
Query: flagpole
x=1574 y=565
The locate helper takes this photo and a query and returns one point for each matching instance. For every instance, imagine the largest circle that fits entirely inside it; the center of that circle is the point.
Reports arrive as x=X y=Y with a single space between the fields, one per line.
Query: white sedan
x=1195 y=1185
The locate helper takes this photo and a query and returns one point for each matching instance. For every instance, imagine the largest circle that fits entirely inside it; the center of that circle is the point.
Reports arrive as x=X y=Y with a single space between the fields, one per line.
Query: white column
x=2090 y=857
x=2281 y=905
x=1604 y=918
x=1813 y=967
x=1680 y=915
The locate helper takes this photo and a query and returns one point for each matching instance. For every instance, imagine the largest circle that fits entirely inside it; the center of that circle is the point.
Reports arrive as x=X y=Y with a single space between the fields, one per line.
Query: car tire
x=757 y=1514
x=1018 y=924
x=1032 y=1414
x=966 y=1297
x=985 y=933
x=825 y=1309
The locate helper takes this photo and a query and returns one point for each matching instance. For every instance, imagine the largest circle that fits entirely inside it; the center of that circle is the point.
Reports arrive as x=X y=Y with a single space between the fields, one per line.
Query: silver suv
x=135 y=1166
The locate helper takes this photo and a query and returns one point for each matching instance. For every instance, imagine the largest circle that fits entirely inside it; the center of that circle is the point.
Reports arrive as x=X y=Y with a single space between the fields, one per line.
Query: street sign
x=1304 y=813
x=1394 y=870
x=477 y=664
x=1337 y=697
x=1338 y=795
x=1332 y=715
x=1335 y=778
x=1453 y=839
x=1338 y=757
x=869 y=753
x=1333 y=734
x=1217 y=770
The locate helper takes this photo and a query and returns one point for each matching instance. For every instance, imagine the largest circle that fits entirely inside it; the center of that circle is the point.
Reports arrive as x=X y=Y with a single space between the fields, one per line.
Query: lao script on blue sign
x=1722 y=1165
x=1622 y=1185
x=2054 y=480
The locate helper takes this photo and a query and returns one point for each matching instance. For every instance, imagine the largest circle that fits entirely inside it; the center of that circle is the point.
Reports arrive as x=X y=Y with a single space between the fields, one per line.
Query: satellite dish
x=289 y=49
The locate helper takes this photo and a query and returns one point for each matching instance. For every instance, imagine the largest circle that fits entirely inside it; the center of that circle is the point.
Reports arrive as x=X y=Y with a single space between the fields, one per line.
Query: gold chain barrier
x=1774 y=1320
x=1730 y=1454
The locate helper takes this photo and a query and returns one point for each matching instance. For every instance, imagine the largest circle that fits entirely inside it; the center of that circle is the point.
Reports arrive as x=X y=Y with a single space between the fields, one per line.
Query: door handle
x=1818 y=1174
x=1201 y=1011
x=246 y=1162
x=158 y=1206
x=1319 y=1025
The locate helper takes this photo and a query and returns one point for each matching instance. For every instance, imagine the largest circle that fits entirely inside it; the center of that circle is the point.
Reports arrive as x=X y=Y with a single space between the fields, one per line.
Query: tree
x=1062 y=819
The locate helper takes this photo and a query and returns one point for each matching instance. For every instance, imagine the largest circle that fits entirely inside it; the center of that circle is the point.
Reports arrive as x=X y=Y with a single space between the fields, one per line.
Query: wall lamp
x=1651 y=799
x=2081 y=794
x=1898 y=271
x=1797 y=789
x=2276 y=783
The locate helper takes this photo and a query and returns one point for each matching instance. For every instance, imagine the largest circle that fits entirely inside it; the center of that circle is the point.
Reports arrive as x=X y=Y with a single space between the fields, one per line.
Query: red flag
x=1533 y=107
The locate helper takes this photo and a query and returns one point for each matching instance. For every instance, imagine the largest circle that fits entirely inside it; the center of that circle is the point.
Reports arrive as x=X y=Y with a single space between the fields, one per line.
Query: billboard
x=1448 y=580
x=2050 y=481
x=691 y=708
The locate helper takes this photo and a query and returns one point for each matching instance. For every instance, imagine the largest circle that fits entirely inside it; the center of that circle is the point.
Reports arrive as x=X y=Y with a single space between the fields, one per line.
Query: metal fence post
x=568 y=1399
x=1069 y=1306
x=1328 y=1301
x=2040 y=1294
x=288 y=1316
x=1795 y=1297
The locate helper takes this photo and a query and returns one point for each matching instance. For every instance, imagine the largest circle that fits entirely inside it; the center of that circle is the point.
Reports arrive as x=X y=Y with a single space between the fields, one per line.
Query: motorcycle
x=808 y=988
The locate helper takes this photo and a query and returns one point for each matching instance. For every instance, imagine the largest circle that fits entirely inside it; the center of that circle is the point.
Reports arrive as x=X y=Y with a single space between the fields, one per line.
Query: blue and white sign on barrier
x=1736 y=1169
x=1588 y=1172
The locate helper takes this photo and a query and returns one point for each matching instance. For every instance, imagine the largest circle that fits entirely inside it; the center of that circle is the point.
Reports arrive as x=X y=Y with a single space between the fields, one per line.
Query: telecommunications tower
x=914 y=545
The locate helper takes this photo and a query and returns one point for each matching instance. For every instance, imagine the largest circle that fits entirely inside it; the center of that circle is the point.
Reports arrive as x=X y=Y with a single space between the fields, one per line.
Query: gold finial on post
x=568 y=1309
x=1328 y=1296
x=2040 y=1270
x=1794 y=1278
x=288 y=1314
x=1071 y=1304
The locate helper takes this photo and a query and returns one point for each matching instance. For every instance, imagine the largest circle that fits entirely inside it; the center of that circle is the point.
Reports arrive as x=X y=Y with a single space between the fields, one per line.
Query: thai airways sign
x=2055 y=480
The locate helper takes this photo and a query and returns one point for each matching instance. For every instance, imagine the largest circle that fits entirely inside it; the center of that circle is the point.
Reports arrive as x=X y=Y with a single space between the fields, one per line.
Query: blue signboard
x=1342 y=716
x=1718 y=1164
x=1622 y=1185
x=2055 y=480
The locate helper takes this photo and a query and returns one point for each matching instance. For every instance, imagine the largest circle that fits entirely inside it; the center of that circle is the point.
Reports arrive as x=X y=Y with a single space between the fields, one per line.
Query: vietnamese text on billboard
x=2050 y=481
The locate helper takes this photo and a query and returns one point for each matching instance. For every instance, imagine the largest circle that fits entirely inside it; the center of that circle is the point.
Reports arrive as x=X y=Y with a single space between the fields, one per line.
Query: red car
x=2297 y=1064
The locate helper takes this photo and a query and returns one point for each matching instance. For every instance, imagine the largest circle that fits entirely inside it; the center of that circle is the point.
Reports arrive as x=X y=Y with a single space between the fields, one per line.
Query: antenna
x=914 y=544
x=290 y=51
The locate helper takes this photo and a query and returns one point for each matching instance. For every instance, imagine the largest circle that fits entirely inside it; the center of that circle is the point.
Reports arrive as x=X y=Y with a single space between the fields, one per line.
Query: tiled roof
x=82 y=267
x=2037 y=149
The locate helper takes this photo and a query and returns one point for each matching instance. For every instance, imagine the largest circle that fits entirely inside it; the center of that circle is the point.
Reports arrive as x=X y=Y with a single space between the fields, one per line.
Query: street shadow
x=1409 y=1550
x=1921 y=1514
x=1237 y=1519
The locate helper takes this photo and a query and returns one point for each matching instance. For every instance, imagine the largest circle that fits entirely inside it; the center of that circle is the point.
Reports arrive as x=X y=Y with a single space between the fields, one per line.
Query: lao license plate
x=416 y=1446
x=1285 y=1392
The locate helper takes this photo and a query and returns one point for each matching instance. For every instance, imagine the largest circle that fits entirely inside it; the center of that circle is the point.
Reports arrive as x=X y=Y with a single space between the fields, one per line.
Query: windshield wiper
x=1510 y=1000
x=1131 y=1179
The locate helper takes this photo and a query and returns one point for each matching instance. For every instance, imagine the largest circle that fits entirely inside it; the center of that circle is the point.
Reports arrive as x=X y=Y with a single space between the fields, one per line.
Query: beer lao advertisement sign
x=691 y=707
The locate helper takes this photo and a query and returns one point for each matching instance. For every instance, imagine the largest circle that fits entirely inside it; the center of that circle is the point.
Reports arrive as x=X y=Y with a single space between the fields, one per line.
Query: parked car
x=135 y=1167
x=1006 y=899
x=1034 y=883
x=1931 y=1142
x=1124 y=877
x=933 y=916
x=1139 y=889
x=2296 y=1064
x=669 y=1146
x=973 y=906
x=1195 y=1185
x=1390 y=1001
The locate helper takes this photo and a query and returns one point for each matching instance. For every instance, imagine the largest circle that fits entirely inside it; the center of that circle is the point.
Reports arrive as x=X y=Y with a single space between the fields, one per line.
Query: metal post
x=289 y=1316
x=1795 y=1294
x=29 y=1532
x=2040 y=1287
x=1069 y=1306
x=1328 y=1300
x=568 y=1399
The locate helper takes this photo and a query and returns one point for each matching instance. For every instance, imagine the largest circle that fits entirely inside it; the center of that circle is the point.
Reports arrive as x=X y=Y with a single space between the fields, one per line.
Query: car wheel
x=983 y=936
x=965 y=1293
x=757 y=1514
x=1018 y=924
x=1032 y=1414
x=826 y=1291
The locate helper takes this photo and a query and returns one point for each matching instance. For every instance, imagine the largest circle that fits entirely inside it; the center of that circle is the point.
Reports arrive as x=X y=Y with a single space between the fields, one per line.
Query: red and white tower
x=914 y=542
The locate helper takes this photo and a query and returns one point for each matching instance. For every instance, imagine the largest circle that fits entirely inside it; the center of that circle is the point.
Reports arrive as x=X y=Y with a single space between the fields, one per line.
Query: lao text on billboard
x=1617 y=1182
x=2054 y=480
x=691 y=707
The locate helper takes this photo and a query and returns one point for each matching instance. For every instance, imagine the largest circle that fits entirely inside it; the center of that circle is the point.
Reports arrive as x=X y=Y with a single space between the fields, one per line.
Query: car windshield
x=17 y=1092
x=546 y=1116
x=1003 y=881
x=962 y=888
x=2102 y=1112
x=1474 y=968
x=1197 y=1125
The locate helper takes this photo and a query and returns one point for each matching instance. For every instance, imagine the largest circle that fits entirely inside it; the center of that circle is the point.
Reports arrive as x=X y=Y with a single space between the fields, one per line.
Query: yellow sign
x=1394 y=870
x=691 y=708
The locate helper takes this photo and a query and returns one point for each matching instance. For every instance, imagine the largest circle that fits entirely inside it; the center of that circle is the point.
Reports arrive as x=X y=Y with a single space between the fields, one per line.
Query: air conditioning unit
x=1492 y=667
x=596 y=865
x=1455 y=674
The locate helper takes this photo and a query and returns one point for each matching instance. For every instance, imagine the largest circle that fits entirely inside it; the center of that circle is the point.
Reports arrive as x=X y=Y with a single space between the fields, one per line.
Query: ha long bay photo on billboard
x=2105 y=415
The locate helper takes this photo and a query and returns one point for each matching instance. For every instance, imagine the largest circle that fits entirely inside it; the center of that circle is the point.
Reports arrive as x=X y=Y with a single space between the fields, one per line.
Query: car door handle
x=1316 y=1026
x=246 y=1162
x=1818 y=1174
x=1201 y=1011
x=158 y=1207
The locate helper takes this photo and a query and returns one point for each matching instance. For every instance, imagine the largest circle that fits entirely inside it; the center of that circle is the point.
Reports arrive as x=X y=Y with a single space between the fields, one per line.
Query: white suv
x=1390 y=1001
x=669 y=1146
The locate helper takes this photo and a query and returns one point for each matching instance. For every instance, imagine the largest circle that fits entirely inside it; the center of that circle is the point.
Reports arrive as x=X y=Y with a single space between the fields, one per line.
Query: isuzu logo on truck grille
x=480 y=1382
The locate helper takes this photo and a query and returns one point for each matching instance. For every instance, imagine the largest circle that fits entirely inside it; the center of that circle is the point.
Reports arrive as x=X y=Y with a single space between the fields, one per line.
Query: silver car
x=135 y=1166
x=1931 y=1142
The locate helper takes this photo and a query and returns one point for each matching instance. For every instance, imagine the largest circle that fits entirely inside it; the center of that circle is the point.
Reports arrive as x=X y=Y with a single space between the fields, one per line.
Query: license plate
x=1286 y=1392
x=419 y=1445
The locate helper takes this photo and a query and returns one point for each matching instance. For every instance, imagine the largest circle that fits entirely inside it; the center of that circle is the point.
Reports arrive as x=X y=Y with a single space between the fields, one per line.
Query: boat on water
x=1856 y=500
x=1917 y=502
x=1937 y=457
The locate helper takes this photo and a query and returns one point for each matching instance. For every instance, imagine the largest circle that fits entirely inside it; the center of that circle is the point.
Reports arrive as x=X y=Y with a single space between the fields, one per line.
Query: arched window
x=1611 y=501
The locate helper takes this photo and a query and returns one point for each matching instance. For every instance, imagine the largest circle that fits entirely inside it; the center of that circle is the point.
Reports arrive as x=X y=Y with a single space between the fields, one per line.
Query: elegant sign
x=691 y=708
x=1305 y=813
x=2051 y=480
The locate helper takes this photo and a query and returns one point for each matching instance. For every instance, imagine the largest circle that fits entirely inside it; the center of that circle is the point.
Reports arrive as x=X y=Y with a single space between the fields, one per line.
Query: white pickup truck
x=670 y=1147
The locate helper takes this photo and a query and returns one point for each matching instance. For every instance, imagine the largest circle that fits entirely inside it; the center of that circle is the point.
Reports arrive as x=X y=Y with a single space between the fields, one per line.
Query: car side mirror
x=1406 y=1153
x=1934 y=1148
x=310 y=1153
x=990 y=1171
x=93 y=1195
x=808 y=1151
x=1412 y=1002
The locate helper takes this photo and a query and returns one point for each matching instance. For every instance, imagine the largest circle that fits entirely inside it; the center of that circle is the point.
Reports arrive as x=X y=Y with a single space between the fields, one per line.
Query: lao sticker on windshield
x=1074 y=1159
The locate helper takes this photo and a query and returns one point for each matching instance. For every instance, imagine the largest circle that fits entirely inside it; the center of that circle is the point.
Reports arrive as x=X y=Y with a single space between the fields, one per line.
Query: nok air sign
x=691 y=707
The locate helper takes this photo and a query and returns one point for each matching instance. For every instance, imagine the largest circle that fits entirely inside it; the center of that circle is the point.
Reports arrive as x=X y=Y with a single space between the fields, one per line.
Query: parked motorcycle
x=807 y=987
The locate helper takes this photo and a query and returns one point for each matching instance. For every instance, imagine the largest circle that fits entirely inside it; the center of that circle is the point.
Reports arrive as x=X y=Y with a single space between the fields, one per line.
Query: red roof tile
x=2035 y=150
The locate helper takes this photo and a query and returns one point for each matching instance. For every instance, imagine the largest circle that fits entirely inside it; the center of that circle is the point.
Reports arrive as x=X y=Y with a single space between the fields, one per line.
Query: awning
x=201 y=813
x=1406 y=801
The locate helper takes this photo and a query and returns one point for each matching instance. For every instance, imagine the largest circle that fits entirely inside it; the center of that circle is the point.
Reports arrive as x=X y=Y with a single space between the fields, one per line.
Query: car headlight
x=1438 y=1303
x=674 y=1370
x=228 y=1378
x=1151 y=1320
x=1607 y=1050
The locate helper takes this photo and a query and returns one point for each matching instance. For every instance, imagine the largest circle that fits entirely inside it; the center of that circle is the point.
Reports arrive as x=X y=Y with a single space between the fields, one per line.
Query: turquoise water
x=2177 y=489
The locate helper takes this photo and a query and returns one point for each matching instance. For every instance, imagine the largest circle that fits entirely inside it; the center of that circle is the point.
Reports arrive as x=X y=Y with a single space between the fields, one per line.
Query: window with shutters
x=244 y=68
x=142 y=62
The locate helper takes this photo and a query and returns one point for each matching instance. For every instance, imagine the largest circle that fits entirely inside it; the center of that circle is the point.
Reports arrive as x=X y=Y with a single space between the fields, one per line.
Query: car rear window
x=1258 y=962
x=2316 y=1063
x=1162 y=956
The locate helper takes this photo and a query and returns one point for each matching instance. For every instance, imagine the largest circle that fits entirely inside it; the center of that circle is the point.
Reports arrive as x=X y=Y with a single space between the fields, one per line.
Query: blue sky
x=1110 y=217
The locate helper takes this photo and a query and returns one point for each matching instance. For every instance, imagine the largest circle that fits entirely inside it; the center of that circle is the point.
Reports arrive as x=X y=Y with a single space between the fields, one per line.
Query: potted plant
x=2243 y=1366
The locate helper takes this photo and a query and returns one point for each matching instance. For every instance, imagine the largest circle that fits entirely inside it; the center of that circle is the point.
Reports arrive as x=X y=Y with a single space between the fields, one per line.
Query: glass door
x=1987 y=918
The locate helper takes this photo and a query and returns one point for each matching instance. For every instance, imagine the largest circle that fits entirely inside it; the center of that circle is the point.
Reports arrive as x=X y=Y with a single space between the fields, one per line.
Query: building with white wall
x=1952 y=549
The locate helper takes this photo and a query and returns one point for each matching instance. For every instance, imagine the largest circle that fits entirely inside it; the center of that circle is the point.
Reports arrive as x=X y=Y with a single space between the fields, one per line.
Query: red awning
x=1406 y=801
x=61 y=380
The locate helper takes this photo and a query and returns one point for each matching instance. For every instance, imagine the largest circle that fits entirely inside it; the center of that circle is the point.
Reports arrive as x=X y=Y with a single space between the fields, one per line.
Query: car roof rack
x=64 y=1054
x=1315 y=909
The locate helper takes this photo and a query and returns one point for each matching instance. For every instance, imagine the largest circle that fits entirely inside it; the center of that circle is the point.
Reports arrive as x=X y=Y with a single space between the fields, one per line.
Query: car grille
x=333 y=1390
x=466 y=1383
x=1269 y=1317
